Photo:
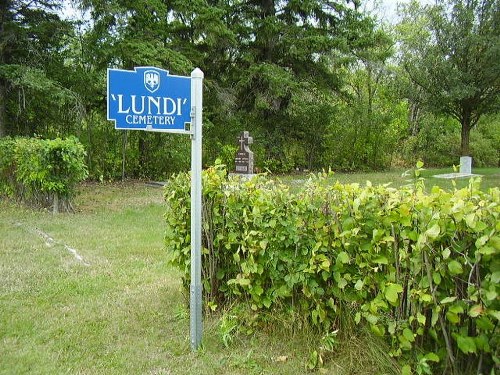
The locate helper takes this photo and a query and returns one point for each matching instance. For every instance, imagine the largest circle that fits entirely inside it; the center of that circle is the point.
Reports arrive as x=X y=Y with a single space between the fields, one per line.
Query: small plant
x=228 y=327
x=416 y=175
x=327 y=345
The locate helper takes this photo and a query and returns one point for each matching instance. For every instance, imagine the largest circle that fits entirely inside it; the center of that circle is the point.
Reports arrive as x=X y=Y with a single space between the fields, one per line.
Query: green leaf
x=435 y=315
x=377 y=329
x=484 y=323
x=466 y=344
x=380 y=260
x=263 y=244
x=432 y=357
x=425 y=297
x=357 y=317
x=243 y=282
x=487 y=250
x=481 y=241
x=452 y=317
x=391 y=292
x=491 y=294
x=421 y=318
x=343 y=257
x=456 y=308
x=313 y=360
x=455 y=267
x=266 y=302
x=475 y=311
x=406 y=370
x=495 y=314
x=433 y=232
x=408 y=334
x=495 y=277
x=446 y=253
x=436 y=277
x=391 y=327
x=257 y=290
x=447 y=300
x=469 y=220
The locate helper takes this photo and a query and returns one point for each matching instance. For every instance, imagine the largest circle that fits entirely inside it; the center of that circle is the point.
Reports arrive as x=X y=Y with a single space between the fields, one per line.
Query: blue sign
x=149 y=98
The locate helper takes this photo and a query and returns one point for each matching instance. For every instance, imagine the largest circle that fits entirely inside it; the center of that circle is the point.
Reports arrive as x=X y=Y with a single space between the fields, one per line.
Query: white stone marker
x=465 y=165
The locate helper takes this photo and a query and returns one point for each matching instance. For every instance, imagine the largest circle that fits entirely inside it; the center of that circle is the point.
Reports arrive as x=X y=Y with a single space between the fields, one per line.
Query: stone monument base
x=456 y=175
x=465 y=170
x=246 y=176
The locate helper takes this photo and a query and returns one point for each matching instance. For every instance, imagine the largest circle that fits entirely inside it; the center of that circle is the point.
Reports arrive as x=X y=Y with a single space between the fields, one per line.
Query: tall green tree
x=283 y=62
x=451 y=53
x=34 y=79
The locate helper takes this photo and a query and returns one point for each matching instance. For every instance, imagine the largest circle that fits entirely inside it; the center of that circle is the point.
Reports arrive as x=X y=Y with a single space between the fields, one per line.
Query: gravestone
x=465 y=165
x=244 y=157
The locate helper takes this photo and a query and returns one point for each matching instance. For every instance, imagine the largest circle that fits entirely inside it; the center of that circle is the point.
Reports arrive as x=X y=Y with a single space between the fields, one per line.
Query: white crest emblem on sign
x=151 y=80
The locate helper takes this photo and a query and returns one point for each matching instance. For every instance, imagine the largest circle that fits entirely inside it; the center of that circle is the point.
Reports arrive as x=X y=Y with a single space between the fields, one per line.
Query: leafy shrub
x=420 y=270
x=42 y=172
x=7 y=180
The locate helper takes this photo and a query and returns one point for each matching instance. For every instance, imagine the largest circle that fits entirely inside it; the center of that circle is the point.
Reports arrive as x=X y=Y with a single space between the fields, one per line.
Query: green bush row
x=421 y=270
x=41 y=171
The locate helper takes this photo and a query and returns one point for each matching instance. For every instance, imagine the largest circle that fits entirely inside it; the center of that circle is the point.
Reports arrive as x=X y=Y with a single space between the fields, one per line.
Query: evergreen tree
x=33 y=74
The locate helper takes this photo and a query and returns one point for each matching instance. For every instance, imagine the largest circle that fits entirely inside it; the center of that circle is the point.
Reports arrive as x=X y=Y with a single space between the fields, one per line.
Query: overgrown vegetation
x=121 y=309
x=420 y=270
x=41 y=172
x=317 y=83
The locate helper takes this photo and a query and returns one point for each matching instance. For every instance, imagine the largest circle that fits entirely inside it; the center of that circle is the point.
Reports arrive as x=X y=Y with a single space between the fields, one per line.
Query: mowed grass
x=94 y=314
x=92 y=293
x=489 y=177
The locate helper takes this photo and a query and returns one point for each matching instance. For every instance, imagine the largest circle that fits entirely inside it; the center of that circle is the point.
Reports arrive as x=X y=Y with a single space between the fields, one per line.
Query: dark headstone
x=244 y=157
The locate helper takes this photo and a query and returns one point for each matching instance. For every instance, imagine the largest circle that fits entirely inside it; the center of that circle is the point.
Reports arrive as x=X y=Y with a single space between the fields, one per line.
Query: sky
x=387 y=9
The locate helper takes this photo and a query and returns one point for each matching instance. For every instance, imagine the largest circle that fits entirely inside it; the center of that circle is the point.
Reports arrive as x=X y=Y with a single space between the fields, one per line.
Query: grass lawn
x=92 y=293
x=490 y=177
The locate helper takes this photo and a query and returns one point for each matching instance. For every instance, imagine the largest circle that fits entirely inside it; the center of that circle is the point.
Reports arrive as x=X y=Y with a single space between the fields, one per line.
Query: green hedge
x=421 y=270
x=41 y=172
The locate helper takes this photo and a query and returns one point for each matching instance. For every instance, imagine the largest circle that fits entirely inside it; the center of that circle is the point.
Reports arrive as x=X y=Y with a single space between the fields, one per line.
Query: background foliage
x=420 y=270
x=317 y=83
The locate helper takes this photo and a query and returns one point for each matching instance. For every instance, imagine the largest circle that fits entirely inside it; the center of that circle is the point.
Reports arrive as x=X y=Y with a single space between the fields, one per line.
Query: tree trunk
x=466 y=126
x=124 y=152
x=268 y=42
x=143 y=157
x=3 y=92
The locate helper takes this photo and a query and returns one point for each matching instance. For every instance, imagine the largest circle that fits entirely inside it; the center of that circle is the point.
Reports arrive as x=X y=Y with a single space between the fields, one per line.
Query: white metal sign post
x=196 y=186
x=150 y=99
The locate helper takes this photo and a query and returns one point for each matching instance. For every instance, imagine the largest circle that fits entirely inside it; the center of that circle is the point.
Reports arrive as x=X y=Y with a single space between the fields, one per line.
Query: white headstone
x=466 y=165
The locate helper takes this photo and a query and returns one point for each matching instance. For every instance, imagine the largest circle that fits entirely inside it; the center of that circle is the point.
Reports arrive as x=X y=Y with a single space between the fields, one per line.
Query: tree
x=283 y=70
x=451 y=52
x=34 y=79
x=265 y=61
